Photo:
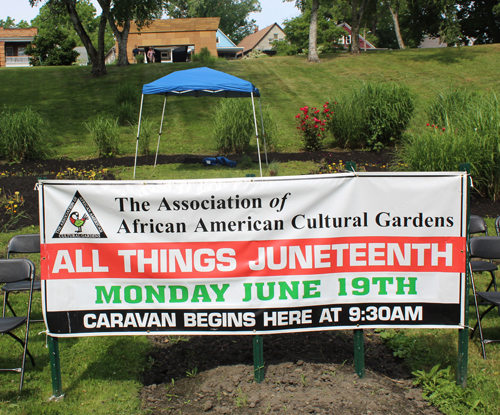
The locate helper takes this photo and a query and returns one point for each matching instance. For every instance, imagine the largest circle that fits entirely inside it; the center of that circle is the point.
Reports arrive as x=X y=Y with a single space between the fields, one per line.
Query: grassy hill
x=67 y=96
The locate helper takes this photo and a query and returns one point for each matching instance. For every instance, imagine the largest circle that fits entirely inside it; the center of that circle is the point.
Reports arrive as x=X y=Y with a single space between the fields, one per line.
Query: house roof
x=195 y=24
x=249 y=42
x=349 y=30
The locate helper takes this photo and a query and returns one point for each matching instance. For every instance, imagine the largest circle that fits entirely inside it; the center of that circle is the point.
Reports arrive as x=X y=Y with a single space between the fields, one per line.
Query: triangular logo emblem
x=79 y=221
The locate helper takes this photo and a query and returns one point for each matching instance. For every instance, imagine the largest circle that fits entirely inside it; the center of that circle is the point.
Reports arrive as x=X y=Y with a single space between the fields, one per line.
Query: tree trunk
x=355 y=49
x=357 y=15
x=96 y=57
x=313 y=33
x=122 y=39
x=395 y=18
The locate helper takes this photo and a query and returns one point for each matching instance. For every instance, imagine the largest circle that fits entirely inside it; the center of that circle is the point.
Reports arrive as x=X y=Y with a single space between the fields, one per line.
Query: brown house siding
x=197 y=32
x=15 y=36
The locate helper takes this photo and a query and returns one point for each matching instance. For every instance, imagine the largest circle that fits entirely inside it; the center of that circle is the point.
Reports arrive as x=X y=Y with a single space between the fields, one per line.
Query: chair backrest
x=477 y=225
x=24 y=244
x=14 y=270
x=497 y=225
x=485 y=247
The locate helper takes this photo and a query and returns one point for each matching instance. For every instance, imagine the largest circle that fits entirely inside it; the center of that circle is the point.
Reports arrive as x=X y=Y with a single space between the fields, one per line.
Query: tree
x=56 y=49
x=10 y=23
x=122 y=12
x=480 y=19
x=393 y=6
x=56 y=33
x=234 y=21
x=328 y=34
x=312 y=55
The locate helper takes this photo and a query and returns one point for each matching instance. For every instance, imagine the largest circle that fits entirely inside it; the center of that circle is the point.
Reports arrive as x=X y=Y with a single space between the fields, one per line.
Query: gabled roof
x=195 y=24
x=349 y=30
x=249 y=42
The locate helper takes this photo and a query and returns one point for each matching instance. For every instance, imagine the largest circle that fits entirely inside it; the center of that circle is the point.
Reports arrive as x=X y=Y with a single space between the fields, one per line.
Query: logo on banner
x=79 y=221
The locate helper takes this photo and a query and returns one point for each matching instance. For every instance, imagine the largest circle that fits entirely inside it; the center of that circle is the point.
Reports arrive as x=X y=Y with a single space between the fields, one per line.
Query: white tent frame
x=206 y=91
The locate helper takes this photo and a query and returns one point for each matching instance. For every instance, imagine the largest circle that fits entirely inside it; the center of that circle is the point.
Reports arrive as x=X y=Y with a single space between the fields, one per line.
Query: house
x=262 y=40
x=171 y=39
x=83 y=57
x=345 y=40
x=13 y=42
x=432 y=42
x=225 y=46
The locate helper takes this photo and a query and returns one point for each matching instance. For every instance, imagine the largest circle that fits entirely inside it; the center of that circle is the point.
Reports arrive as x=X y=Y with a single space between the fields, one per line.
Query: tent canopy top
x=200 y=82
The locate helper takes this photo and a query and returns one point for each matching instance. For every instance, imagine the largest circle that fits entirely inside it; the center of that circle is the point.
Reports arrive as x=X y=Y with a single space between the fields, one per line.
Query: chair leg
x=26 y=348
x=478 y=323
x=6 y=303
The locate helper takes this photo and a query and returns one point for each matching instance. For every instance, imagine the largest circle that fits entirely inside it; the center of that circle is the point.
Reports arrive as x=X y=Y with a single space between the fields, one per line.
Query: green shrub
x=139 y=58
x=469 y=132
x=104 y=133
x=127 y=113
x=234 y=126
x=204 y=57
x=374 y=116
x=127 y=103
x=284 y=48
x=23 y=135
x=146 y=136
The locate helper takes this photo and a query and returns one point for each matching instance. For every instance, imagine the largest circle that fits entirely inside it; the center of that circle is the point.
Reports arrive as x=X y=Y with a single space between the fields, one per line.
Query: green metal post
x=258 y=358
x=55 y=366
x=359 y=353
x=358 y=339
x=463 y=334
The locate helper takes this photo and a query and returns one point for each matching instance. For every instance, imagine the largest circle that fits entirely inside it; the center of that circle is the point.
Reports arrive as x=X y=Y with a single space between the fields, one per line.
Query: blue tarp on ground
x=200 y=82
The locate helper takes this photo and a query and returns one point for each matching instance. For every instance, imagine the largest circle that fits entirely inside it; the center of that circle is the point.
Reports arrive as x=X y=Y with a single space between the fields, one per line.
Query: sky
x=273 y=11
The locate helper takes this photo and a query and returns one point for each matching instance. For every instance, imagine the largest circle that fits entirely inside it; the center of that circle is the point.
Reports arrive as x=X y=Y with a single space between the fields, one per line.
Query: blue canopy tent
x=199 y=82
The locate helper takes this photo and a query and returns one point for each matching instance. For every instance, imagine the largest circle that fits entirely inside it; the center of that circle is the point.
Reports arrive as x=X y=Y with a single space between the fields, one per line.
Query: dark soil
x=305 y=373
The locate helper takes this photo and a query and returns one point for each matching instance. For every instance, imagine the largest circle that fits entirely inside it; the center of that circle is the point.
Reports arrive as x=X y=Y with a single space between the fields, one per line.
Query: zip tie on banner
x=46 y=338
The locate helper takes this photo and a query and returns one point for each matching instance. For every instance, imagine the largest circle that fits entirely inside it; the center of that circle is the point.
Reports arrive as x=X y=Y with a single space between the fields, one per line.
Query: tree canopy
x=234 y=20
x=10 y=23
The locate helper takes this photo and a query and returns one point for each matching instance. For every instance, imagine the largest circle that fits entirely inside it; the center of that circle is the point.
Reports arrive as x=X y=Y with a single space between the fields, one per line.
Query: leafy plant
x=465 y=128
x=311 y=125
x=234 y=126
x=204 y=57
x=374 y=116
x=146 y=135
x=13 y=206
x=23 y=135
x=127 y=101
x=104 y=133
x=241 y=398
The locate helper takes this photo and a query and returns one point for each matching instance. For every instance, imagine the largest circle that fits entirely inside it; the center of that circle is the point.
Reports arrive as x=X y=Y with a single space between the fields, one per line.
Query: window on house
x=20 y=51
x=9 y=51
x=275 y=36
x=349 y=39
x=217 y=40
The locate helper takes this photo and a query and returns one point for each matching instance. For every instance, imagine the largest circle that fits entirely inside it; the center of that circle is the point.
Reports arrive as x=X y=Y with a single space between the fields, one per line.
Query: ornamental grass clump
x=311 y=123
x=23 y=136
x=127 y=104
x=104 y=134
x=468 y=132
x=234 y=127
x=373 y=116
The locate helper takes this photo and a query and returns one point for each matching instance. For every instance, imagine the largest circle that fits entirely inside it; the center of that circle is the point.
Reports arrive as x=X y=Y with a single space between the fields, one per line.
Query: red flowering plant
x=311 y=123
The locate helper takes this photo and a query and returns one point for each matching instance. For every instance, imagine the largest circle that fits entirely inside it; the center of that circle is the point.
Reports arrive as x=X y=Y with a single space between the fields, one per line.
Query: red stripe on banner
x=253 y=258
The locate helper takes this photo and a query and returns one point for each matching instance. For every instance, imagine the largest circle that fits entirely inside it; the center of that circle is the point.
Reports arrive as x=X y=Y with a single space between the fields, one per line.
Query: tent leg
x=256 y=134
x=161 y=128
x=263 y=132
x=138 y=132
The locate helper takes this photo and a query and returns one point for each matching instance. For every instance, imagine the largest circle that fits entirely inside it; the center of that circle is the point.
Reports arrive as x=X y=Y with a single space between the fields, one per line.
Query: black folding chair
x=21 y=244
x=484 y=247
x=11 y=271
x=478 y=225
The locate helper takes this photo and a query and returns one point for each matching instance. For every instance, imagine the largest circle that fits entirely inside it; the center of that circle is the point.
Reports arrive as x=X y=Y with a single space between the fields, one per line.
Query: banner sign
x=253 y=255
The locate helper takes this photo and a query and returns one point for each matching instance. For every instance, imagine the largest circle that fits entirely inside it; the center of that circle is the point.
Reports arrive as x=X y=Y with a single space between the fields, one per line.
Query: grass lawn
x=102 y=375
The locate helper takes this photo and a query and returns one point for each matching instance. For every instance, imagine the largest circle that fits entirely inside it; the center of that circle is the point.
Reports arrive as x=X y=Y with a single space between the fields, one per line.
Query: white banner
x=253 y=255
